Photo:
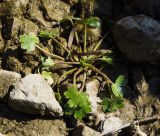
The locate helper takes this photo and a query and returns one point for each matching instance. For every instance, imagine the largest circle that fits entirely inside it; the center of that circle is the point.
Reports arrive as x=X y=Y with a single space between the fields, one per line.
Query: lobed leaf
x=48 y=62
x=78 y=103
x=92 y=22
x=119 y=86
x=28 y=41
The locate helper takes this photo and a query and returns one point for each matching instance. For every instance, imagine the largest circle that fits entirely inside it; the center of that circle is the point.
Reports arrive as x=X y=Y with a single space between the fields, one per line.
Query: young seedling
x=81 y=61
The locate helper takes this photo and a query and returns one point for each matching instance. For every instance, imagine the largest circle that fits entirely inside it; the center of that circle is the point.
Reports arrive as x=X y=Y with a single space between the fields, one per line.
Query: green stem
x=75 y=76
x=56 y=41
x=85 y=38
x=63 y=62
x=65 y=74
x=50 y=54
x=101 y=73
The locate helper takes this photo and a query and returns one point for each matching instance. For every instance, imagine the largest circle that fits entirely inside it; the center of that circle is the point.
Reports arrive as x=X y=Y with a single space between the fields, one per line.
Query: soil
x=140 y=104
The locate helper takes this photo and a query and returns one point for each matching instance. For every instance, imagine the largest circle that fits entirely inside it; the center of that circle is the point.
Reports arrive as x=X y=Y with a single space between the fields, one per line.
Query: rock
x=96 y=116
x=7 y=79
x=33 y=95
x=14 y=25
x=85 y=131
x=2 y=134
x=92 y=88
x=111 y=124
x=35 y=15
x=13 y=8
x=137 y=37
x=29 y=26
x=55 y=10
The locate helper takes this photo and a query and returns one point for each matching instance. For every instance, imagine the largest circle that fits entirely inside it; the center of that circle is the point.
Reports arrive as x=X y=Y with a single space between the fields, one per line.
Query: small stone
x=33 y=95
x=85 y=131
x=92 y=88
x=7 y=79
x=111 y=124
x=2 y=134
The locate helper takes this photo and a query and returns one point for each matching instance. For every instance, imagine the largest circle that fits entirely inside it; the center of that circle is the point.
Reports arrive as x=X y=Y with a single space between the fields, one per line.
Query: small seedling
x=82 y=62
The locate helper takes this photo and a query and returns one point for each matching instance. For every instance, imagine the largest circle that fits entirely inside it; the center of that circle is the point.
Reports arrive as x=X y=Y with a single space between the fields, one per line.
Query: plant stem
x=65 y=74
x=75 y=76
x=101 y=73
x=76 y=36
x=77 y=40
x=85 y=38
x=56 y=41
x=84 y=80
x=50 y=54
x=63 y=62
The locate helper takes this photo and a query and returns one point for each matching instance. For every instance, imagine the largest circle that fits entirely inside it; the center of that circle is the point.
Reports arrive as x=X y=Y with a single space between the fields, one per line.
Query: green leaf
x=79 y=114
x=48 y=62
x=110 y=105
x=92 y=22
x=45 y=34
x=121 y=81
x=28 y=41
x=119 y=86
x=107 y=60
x=78 y=103
x=46 y=75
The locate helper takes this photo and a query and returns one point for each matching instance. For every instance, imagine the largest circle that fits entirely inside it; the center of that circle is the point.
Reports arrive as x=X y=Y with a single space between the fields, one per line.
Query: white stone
x=92 y=88
x=7 y=79
x=111 y=124
x=33 y=95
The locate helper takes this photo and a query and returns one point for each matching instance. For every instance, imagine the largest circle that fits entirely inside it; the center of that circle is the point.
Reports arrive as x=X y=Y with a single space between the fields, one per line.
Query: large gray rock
x=138 y=38
x=7 y=79
x=33 y=95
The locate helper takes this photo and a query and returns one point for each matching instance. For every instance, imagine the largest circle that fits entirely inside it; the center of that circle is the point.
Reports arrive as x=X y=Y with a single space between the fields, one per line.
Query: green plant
x=78 y=103
x=82 y=61
x=112 y=104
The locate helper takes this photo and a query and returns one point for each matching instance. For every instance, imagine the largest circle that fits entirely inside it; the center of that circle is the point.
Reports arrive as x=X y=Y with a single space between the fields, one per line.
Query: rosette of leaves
x=82 y=63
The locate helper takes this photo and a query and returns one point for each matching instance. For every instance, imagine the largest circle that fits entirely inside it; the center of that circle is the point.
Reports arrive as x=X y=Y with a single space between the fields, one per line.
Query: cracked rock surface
x=33 y=95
